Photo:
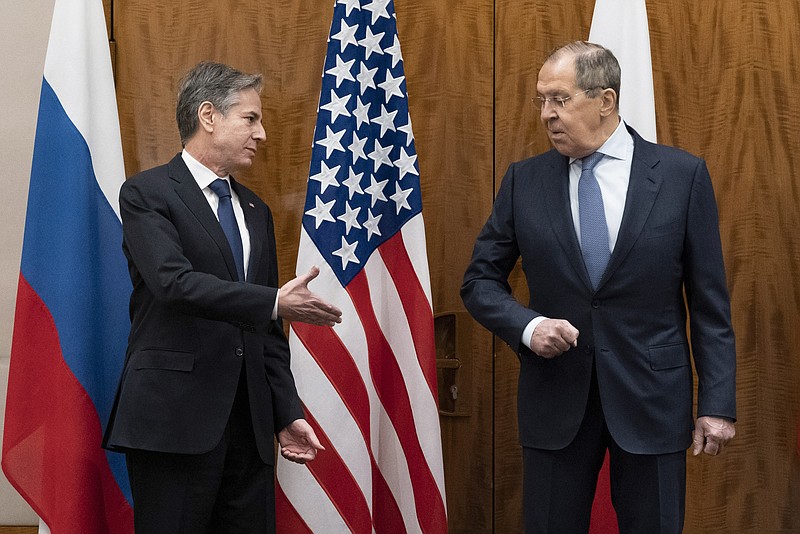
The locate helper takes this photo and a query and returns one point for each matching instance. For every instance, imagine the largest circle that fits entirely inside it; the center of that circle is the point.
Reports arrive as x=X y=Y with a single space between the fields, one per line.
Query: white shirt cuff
x=527 y=334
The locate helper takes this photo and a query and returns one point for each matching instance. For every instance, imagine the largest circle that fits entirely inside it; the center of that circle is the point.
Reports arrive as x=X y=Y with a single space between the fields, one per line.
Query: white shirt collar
x=617 y=144
x=202 y=174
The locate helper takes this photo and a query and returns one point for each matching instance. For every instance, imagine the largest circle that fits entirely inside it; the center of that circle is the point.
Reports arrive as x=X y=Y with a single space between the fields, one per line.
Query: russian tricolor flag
x=71 y=320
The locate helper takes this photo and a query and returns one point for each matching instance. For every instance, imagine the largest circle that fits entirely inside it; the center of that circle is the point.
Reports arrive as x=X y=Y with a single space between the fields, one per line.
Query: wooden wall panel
x=447 y=50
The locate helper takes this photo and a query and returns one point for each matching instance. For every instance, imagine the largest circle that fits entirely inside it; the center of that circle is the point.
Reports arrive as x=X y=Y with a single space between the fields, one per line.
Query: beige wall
x=24 y=27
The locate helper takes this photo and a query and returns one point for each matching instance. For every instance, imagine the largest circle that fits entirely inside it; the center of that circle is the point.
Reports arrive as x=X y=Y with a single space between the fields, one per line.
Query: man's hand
x=298 y=442
x=553 y=337
x=297 y=303
x=711 y=434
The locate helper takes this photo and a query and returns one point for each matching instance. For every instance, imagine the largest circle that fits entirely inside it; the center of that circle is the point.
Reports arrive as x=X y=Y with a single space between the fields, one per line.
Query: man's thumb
x=697 y=441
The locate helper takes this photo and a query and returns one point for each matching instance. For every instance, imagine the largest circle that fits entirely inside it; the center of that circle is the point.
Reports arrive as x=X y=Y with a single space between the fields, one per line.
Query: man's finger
x=697 y=442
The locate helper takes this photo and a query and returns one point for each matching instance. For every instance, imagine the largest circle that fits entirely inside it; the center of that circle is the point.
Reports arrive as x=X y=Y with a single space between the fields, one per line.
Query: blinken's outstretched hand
x=298 y=303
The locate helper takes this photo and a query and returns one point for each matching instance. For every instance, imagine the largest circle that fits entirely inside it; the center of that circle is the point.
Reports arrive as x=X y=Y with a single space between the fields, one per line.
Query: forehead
x=556 y=75
x=248 y=101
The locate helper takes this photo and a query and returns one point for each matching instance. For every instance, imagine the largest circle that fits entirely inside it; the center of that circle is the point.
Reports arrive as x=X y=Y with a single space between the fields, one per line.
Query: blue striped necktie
x=594 y=230
x=228 y=222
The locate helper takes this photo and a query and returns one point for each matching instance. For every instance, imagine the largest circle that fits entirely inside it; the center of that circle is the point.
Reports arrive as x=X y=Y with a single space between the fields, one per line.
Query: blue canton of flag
x=364 y=179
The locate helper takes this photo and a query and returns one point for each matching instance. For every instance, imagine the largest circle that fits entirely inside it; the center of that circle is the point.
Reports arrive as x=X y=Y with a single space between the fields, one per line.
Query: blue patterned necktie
x=594 y=230
x=228 y=222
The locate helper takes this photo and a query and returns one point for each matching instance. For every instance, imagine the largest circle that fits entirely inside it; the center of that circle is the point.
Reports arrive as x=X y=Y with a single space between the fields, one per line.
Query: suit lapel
x=187 y=189
x=642 y=192
x=560 y=214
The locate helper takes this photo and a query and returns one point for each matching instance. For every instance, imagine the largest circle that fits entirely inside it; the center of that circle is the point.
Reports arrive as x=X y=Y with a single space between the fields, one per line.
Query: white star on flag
x=406 y=163
x=371 y=224
x=361 y=112
x=341 y=71
x=371 y=43
x=346 y=36
x=350 y=5
x=357 y=148
x=386 y=120
x=322 y=212
x=347 y=252
x=380 y=155
x=375 y=190
x=326 y=177
x=394 y=51
x=332 y=141
x=366 y=78
x=353 y=183
x=392 y=86
x=400 y=197
x=378 y=9
x=337 y=106
x=349 y=218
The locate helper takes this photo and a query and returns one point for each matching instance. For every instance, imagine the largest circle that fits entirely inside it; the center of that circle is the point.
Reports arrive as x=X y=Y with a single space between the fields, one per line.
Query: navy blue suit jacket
x=193 y=325
x=667 y=259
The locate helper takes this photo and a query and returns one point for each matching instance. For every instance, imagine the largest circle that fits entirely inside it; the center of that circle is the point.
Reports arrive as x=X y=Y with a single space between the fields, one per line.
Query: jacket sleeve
x=712 y=338
x=485 y=290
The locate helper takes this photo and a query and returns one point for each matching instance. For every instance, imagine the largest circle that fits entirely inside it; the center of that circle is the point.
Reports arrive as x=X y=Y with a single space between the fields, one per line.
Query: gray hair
x=595 y=66
x=210 y=82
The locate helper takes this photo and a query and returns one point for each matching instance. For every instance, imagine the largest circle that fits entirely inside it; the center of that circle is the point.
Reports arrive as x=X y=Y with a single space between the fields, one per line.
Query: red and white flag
x=621 y=26
x=368 y=384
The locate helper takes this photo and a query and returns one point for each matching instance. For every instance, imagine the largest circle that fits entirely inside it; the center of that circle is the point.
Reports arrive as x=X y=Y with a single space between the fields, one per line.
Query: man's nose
x=261 y=134
x=549 y=110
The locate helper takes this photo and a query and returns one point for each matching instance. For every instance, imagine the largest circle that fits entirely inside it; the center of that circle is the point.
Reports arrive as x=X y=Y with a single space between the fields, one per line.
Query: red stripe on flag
x=338 y=483
x=287 y=519
x=51 y=446
x=337 y=364
x=415 y=304
x=390 y=386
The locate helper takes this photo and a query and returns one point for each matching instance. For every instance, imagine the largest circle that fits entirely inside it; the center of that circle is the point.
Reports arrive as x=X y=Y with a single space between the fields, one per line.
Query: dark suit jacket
x=667 y=258
x=192 y=325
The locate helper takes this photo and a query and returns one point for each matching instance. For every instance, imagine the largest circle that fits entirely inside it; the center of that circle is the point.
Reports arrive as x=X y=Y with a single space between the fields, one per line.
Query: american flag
x=369 y=383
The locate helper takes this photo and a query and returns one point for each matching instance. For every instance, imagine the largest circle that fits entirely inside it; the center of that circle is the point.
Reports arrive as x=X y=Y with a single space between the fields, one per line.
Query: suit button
x=239 y=352
x=587 y=349
x=595 y=304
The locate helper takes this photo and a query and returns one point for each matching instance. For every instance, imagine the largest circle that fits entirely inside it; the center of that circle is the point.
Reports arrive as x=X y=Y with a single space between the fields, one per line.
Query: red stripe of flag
x=338 y=483
x=287 y=518
x=415 y=304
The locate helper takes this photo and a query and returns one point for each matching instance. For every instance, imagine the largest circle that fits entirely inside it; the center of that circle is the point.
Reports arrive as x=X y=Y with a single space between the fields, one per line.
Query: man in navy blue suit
x=619 y=238
x=207 y=383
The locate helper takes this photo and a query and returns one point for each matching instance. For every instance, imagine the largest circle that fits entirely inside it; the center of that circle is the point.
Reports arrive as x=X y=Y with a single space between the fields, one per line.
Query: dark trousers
x=648 y=491
x=227 y=490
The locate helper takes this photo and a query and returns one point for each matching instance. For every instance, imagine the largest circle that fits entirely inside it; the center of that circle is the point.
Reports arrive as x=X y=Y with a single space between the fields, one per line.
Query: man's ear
x=609 y=104
x=207 y=115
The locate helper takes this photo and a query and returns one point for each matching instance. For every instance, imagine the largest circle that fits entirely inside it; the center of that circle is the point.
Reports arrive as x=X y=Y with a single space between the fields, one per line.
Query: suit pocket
x=166 y=359
x=668 y=356
x=663 y=229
